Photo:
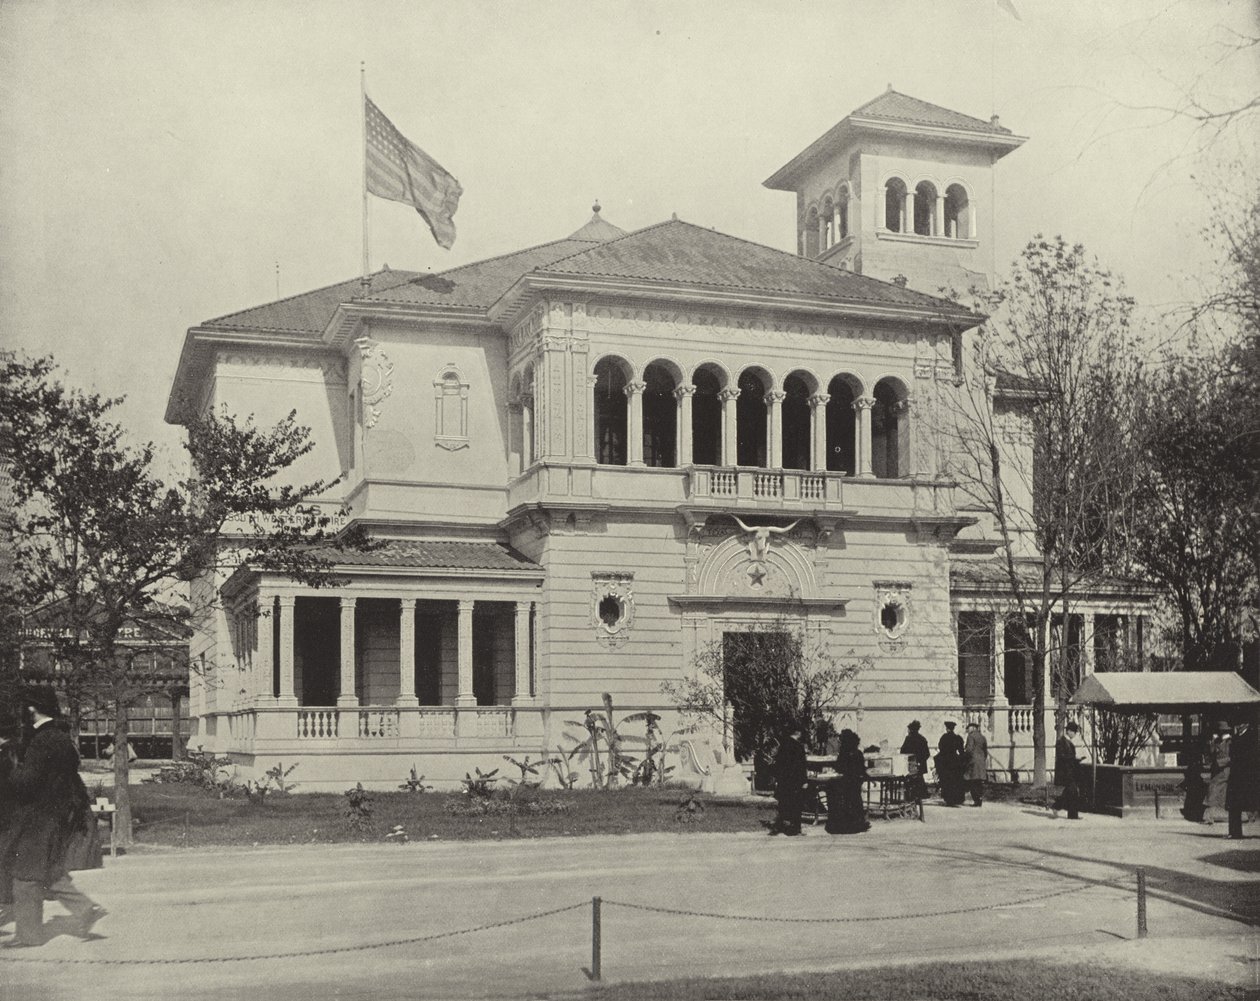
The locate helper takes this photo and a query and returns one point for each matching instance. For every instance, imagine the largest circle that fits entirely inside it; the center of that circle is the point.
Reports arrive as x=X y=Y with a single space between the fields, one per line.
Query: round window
x=610 y=611
x=892 y=617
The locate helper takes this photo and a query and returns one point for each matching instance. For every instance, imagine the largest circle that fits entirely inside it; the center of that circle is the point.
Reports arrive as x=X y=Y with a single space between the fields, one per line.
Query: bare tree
x=1035 y=437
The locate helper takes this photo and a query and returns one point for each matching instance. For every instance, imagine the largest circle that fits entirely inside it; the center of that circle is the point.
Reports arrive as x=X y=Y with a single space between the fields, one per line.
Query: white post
x=465 y=696
x=938 y=216
x=774 y=428
x=907 y=219
x=407 y=653
x=522 y=695
x=683 y=394
x=863 y=405
x=264 y=664
x=347 y=696
x=730 y=451
x=634 y=450
x=287 y=695
x=818 y=431
x=1087 y=645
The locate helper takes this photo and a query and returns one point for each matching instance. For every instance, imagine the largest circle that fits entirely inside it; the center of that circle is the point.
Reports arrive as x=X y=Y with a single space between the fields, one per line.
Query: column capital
x=819 y=400
x=634 y=388
x=286 y=600
x=726 y=395
x=864 y=403
x=465 y=605
x=526 y=401
x=901 y=406
x=348 y=602
x=686 y=389
x=774 y=396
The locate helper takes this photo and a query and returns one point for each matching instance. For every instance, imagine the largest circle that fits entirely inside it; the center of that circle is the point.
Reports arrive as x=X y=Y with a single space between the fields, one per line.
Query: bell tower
x=900 y=187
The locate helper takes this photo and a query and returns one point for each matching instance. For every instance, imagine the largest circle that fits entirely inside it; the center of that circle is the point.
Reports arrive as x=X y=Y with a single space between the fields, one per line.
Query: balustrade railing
x=813 y=488
x=767 y=485
x=435 y=723
x=723 y=483
x=378 y=723
x=487 y=722
x=317 y=724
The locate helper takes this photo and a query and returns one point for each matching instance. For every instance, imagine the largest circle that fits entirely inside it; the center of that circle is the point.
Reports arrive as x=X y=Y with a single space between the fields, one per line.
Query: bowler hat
x=950 y=724
x=1073 y=727
x=43 y=699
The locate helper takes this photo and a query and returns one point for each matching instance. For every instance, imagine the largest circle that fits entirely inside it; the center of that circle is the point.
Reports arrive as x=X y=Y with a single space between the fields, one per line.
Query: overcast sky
x=160 y=158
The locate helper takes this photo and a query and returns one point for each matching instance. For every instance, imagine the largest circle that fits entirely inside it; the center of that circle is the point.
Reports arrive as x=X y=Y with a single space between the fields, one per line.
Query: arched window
x=660 y=417
x=842 y=208
x=894 y=204
x=889 y=431
x=828 y=224
x=450 y=419
x=610 y=412
x=841 y=427
x=750 y=420
x=925 y=209
x=958 y=213
x=811 y=233
x=795 y=410
x=706 y=418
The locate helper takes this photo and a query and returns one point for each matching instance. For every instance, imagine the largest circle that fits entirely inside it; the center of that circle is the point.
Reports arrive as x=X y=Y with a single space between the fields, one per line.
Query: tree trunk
x=1040 y=655
x=122 y=776
x=177 y=738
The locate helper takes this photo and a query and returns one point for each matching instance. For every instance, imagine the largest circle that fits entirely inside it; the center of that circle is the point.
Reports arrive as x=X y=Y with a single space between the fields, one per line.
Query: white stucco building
x=590 y=458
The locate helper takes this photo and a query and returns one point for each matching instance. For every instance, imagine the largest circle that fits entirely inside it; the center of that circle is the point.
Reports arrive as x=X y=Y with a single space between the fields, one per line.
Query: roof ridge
x=597 y=244
x=764 y=246
x=303 y=295
x=919 y=100
x=504 y=257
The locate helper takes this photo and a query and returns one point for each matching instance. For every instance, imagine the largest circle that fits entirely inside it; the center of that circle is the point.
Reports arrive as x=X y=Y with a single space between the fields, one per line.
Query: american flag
x=401 y=171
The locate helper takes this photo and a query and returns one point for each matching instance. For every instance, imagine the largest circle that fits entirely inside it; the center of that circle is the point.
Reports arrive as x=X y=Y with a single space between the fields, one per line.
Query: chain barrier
x=848 y=920
x=303 y=953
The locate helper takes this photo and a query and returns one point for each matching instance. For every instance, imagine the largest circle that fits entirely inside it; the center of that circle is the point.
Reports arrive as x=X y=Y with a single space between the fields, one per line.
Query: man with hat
x=949 y=765
x=975 y=763
x=51 y=803
x=1067 y=773
x=916 y=746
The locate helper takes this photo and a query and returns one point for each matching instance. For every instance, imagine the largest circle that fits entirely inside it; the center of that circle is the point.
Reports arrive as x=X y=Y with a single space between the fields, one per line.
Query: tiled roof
x=681 y=253
x=993 y=573
x=436 y=555
x=673 y=252
x=899 y=107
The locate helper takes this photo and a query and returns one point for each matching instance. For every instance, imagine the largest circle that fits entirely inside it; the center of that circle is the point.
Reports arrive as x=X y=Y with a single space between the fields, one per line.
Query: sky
x=171 y=161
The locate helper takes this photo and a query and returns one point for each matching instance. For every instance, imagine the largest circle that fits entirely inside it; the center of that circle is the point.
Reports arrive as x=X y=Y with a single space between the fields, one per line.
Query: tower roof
x=598 y=228
x=894 y=113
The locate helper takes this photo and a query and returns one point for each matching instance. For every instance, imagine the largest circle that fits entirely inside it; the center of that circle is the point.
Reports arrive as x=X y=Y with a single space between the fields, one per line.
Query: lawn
x=1004 y=980
x=186 y=815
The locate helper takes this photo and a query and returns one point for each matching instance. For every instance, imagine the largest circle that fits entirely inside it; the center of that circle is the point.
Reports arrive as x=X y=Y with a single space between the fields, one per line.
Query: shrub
x=415 y=783
x=358 y=809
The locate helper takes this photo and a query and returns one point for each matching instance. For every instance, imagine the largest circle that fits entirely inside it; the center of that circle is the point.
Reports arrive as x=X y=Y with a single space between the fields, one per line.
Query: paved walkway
x=374 y=920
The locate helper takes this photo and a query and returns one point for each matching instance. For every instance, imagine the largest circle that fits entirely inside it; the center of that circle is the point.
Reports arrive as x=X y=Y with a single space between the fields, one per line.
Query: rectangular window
x=975 y=657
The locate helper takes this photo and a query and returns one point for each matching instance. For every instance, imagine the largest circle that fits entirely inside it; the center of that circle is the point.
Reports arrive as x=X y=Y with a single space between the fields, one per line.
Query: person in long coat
x=1067 y=773
x=8 y=761
x=1218 y=783
x=846 y=813
x=51 y=805
x=949 y=765
x=975 y=763
x=789 y=783
x=1242 y=788
x=916 y=746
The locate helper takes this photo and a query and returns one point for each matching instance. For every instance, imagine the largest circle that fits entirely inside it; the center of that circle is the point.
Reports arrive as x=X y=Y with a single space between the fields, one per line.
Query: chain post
x=596 y=938
x=1141 y=902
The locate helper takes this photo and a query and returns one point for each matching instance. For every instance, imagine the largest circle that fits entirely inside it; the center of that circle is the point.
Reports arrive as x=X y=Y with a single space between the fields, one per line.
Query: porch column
x=407 y=653
x=683 y=394
x=863 y=405
x=774 y=427
x=730 y=453
x=1087 y=644
x=907 y=216
x=938 y=217
x=818 y=431
x=522 y=695
x=346 y=695
x=288 y=697
x=1000 y=697
x=527 y=431
x=634 y=423
x=263 y=660
x=465 y=696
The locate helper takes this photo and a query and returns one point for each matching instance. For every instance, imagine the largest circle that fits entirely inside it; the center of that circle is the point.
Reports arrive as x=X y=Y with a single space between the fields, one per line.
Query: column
x=1141 y=643
x=730 y=426
x=971 y=219
x=522 y=696
x=465 y=697
x=818 y=430
x=516 y=424
x=835 y=221
x=1087 y=644
x=938 y=219
x=863 y=405
x=346 y=695
x=263 y=661
x=683 y=394
x=999 y=660
x=407 y=653
x=907 y=213
x=774 y=428
x=288 y=697
x=528 y=451
x=907 y=460
x=634 y=425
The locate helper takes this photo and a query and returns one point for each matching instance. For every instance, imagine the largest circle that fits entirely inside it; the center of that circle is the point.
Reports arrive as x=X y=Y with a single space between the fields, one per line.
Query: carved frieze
x=376 y=378
x=612 y=606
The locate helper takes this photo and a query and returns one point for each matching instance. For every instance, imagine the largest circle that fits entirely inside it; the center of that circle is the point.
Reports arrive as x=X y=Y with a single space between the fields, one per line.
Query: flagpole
x=366 y=281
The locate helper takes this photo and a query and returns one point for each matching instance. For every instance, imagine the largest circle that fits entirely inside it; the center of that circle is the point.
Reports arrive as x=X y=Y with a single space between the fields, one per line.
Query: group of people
x=1232 y=759
x=846 y=813
x=46 y=824
x=961 y=766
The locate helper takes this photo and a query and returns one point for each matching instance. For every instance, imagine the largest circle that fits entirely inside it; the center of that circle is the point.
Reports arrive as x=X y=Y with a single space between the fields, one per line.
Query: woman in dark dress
x=845 y=811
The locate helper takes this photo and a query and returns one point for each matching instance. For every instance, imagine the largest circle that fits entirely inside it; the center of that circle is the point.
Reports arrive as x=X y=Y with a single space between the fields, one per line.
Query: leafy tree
x=755 y=686
x=1037 y=431
x=101 y=536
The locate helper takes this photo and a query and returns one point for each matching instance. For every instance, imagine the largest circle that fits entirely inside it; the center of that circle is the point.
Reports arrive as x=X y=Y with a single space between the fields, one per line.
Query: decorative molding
x=892 y=609
x=450 y=417
x=612 y=606
x=376 y=377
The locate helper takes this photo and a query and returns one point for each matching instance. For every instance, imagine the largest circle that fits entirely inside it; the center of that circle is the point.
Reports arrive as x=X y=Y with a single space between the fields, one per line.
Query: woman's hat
x=912 y=725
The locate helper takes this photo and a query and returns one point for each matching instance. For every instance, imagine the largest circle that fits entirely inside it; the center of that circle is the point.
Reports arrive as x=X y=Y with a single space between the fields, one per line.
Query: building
x=589 y=459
